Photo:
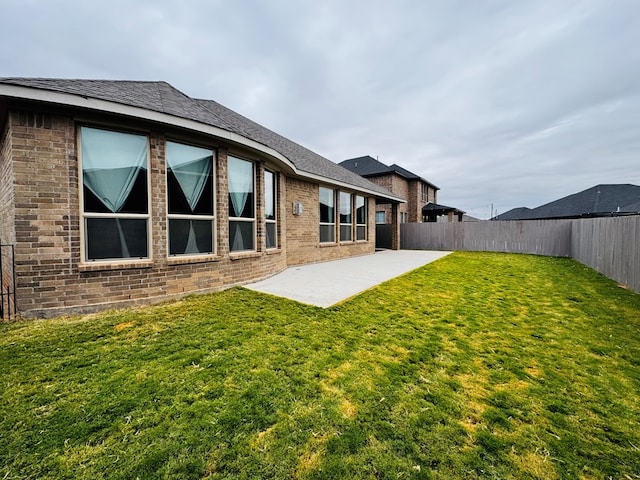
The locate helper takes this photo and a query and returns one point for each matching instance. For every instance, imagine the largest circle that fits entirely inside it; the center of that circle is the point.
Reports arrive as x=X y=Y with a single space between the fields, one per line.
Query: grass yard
x=475 y=366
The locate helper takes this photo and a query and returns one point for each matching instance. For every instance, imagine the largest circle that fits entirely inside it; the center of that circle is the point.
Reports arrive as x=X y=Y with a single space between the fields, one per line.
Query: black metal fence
x=8 y=300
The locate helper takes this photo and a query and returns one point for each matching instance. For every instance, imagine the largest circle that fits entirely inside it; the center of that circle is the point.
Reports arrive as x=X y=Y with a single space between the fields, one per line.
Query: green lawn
x=475 y=366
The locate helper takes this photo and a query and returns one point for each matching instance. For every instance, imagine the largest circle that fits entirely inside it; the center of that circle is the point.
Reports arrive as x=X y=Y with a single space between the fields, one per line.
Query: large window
x=327 y=215
x=361 y=218
x=242 y=216
x=346 y=216
x=270 y=196
x=115 y=207
x=190 y=196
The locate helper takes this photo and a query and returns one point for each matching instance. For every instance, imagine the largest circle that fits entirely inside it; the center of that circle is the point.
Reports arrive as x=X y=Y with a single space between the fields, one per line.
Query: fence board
x=608 y=245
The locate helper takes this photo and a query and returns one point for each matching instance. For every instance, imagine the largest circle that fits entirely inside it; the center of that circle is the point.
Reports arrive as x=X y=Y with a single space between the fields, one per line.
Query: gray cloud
x=510 y=103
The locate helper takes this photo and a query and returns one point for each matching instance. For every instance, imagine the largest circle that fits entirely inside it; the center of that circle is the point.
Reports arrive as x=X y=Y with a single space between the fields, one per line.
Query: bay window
x=242 y=216
x=115 y=198
x=327 y=215
x=191 y=199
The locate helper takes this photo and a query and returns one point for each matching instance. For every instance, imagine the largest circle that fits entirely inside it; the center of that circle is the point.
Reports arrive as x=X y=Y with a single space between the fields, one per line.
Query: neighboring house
x=416 y=190
x=433 y=212
x=116 y=193
x=599 y=201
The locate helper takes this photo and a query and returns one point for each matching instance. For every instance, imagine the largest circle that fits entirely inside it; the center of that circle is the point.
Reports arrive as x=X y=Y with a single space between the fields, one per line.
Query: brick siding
x=40 y=189
x=303 y=230
x=410 y=190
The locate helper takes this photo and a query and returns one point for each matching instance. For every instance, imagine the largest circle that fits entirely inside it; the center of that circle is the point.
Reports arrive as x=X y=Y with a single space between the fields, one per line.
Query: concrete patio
x=328 y=283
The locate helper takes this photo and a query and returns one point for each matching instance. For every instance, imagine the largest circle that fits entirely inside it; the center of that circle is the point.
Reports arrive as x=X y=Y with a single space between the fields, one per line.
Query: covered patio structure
x=431 y=212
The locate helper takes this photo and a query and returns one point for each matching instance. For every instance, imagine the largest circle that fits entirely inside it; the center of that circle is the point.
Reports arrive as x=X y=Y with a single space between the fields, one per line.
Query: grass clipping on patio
x=478 y=365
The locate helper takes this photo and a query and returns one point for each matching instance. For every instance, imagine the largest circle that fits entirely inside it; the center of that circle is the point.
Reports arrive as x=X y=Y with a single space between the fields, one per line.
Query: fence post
x=8 y=290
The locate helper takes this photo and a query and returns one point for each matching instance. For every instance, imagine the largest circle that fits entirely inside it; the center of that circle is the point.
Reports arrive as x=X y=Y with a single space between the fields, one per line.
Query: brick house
x=416 y=190
x=117 y=193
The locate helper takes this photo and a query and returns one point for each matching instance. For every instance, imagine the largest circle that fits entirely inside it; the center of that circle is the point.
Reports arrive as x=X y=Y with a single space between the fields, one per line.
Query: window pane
x=271 y=235
x=189 y=179
x=269 y=195
x=361 y=210
x=345 y=207
x=345 y=233
x=190 y=237
x=361 y=233
x=114 y=171
x=116 y=238
x=240 y=188
x=380 y=217
x=240 y=236
x=327 y=206
x=327 y=233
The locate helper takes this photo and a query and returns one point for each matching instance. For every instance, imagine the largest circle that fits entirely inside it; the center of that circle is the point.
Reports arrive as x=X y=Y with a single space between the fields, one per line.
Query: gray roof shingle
x=163 y=98
x=601 y=200
x=368 y=166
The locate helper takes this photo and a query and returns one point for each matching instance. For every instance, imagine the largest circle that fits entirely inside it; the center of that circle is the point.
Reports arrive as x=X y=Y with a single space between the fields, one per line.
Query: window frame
x=84 y=216
x=326 y=224
x=348 y=224
x=274 y=221
x=174 y=216
x=384 y=215
x=360 y=226
x=252 y=220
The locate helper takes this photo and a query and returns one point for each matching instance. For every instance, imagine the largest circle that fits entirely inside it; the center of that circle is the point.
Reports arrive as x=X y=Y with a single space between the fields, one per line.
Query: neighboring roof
x=439 y=209
x=172 y=104
x=404 y=172
x=365 y=166
x=519 y=213
x=368 y=166
x=601 y=200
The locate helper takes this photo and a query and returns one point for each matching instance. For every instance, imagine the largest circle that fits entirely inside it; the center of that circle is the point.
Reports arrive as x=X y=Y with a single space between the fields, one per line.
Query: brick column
x=395 y=227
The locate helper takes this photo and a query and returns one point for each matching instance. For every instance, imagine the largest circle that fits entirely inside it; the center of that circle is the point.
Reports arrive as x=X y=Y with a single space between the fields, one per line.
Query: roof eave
x=105 y=106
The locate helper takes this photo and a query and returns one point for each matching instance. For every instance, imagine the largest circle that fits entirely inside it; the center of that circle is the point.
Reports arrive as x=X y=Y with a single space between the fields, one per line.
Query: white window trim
x=252 y=220
x=275 y=208
x=355 y=206
x=350 y=224
x=85 y=215
x=175 y=216
x=333 y=224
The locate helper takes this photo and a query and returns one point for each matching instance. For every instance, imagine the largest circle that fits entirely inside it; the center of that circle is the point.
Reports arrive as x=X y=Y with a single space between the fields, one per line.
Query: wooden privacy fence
x=608 y=245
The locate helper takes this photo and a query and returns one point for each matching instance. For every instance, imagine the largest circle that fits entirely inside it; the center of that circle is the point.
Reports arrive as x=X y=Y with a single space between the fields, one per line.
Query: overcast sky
x=510 y=103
